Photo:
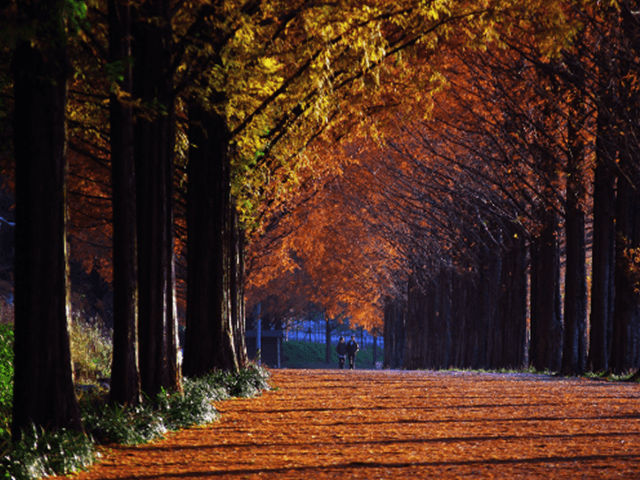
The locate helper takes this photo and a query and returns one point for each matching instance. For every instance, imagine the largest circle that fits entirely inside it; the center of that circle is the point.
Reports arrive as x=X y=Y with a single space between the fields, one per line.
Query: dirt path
x=378 y=424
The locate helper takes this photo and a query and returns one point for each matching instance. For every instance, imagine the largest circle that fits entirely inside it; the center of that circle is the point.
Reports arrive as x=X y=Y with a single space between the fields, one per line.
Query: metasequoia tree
x=209 y=319
x=43 y=383
x=466 y=294
x=625 y=347
x=603 y=246
x=502 y=132
x=487 y=193
x=334 y=69
x=125 y=374
x=415 y=40
x=164 y=49
x=154 y=142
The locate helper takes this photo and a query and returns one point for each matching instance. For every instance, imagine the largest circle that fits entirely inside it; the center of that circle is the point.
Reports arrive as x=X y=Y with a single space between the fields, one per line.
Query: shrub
x=248 y=382
x=122 y=424
x=195 y=407
x=91 y=350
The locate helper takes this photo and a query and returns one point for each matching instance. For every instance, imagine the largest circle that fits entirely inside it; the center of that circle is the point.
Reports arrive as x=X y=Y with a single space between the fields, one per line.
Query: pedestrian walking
x=352 y=349
x=341 y=350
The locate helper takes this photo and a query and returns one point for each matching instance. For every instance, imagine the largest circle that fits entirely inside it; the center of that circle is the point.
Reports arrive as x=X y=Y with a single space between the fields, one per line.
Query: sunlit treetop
x=340 y=71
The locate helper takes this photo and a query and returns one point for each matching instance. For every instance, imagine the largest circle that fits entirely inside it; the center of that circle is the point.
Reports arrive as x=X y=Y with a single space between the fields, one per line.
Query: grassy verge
x=41 y=453
x=297 y=354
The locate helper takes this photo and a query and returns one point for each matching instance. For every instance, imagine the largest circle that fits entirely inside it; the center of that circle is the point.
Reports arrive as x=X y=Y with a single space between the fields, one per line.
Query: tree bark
x=512 y=303
x=415 y=326
x=125 y=375
x=43 y=383
x=462 y=290
x=489 y=334
x=238 y=312
x=210 y=337
x=327 y=340
x=602 y=285
x=574 y=350
x=154 y=146
x=394 y=332
x=626 y=316
x=444 y=319
x=546 y=326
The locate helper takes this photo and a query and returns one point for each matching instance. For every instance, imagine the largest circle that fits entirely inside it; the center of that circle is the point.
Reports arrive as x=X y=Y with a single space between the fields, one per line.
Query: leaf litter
x=402 y=424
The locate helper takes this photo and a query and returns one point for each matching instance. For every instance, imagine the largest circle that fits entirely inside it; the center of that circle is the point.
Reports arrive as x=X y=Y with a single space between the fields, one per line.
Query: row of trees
x=124 y=107
x=543 y=150
x=384 y=169
x=492 y=221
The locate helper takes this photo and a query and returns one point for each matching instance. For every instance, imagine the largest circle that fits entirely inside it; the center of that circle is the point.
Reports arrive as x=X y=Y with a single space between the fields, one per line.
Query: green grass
x=6 y=377
x=297 y=354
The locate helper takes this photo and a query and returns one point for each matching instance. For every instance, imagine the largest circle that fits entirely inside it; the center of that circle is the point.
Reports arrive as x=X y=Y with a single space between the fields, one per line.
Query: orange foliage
x=330 y=238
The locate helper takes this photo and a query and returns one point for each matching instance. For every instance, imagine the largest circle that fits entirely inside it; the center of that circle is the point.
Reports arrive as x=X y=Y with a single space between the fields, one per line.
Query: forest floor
x=402 y=424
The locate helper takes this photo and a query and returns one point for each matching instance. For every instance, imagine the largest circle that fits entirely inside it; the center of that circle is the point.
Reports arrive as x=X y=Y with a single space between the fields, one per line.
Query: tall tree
x=125 y=375
x=209 y=320
x=43 y=384
x=574 y=351
x=602 y=285
x=154 y=169
x=625 y=348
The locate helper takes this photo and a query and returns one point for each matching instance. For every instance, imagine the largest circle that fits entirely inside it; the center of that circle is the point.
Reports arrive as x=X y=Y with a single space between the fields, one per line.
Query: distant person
x=352 y=349
x=341 y=350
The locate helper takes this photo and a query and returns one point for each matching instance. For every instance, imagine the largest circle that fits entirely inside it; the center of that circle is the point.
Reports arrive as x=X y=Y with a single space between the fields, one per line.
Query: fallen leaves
x=384 y=424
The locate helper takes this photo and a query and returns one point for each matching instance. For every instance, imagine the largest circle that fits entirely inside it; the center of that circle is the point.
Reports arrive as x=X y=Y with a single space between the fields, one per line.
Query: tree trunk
x=490 y=331
x=546 y=324
x=574 y=349
x=415 y=327
x=154 y=146
x=327 y=340
x=375 y=350
x=427 y=316
x=512 y=304
x=125 y=375
x=461 y=323
x=43 y=384
x=394 y=332
x=626 y=315
x=473 y=321
x=602 y=285
x=238 y=313
x=210 y=337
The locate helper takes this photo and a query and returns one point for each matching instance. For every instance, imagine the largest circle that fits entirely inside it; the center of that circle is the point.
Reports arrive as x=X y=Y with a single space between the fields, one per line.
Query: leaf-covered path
x=384 y=424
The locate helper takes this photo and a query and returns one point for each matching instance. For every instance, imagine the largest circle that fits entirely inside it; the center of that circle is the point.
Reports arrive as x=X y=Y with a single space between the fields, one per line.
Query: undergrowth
x=91 y=349
x=611 y=377
x=497 y=370
x=40 y=453
x=6 y=377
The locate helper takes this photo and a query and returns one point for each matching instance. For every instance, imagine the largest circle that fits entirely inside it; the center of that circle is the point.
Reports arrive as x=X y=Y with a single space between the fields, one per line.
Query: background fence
x=314 y=331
